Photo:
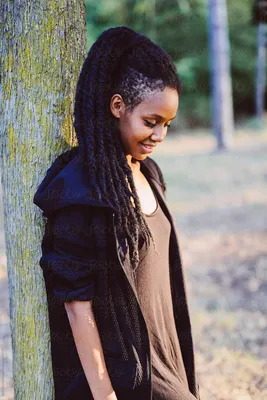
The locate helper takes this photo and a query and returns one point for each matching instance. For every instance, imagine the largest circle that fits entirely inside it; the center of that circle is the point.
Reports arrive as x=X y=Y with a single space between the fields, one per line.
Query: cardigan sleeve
x=78 y=237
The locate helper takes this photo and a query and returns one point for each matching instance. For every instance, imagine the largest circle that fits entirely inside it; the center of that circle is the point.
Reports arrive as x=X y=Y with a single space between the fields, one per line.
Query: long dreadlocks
x=126 y=62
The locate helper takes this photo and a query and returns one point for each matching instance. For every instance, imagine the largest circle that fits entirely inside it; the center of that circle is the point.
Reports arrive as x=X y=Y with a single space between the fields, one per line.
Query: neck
x=133 y=163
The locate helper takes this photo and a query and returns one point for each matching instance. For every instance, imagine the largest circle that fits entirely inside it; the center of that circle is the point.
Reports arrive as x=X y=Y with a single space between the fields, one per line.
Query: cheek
x=134 y=131
x=139 y=131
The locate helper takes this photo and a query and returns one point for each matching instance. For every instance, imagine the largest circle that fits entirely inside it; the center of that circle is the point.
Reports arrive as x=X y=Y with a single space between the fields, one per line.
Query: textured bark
x=261 y=68
x=221 y=82
x=43 y=46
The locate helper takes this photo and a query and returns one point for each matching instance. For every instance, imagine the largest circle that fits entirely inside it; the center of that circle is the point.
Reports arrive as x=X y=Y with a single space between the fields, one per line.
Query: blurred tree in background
x=180 y=27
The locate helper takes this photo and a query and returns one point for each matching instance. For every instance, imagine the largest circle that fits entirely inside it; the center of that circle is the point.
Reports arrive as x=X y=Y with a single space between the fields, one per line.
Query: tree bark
x=222 y=100
x=261 y=68
x=43 y=46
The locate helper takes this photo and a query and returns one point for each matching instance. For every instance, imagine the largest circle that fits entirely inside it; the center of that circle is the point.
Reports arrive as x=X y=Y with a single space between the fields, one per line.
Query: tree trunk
x=261 y=72
x=42 y=49
x=222 y=101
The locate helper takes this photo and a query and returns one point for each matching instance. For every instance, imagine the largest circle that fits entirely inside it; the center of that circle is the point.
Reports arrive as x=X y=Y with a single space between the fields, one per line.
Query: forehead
x=164 y=103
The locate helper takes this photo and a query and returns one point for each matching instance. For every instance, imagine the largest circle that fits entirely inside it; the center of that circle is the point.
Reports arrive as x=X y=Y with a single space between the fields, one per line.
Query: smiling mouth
x=148 y=146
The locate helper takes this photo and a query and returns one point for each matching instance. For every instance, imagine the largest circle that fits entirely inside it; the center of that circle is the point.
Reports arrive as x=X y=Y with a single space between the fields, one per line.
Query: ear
x=117 y=106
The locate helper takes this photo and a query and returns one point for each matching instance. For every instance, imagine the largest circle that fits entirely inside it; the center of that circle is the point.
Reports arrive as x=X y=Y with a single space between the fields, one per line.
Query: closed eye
x=151 y=125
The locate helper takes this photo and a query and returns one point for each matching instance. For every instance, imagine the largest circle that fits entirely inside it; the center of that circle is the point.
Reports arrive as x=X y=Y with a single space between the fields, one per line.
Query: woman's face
x=147 y=124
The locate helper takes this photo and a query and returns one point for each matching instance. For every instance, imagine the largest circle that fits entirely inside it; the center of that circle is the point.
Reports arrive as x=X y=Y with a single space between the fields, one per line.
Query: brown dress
x=169 y=381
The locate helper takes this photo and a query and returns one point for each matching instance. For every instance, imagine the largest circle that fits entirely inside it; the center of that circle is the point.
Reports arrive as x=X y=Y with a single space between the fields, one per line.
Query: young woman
x=117 y=301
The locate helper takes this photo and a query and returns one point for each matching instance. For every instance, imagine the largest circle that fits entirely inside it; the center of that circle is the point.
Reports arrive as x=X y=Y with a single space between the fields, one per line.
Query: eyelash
x=152 y=125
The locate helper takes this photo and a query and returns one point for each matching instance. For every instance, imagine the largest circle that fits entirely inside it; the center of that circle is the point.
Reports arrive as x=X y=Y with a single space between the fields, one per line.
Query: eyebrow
x=158 y=116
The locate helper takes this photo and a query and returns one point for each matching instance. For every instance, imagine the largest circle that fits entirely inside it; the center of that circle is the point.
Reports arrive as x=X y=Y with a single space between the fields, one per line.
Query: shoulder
x=66 y=183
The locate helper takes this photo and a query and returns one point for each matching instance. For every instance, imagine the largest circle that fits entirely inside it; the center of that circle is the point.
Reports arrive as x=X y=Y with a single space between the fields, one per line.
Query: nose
x=158 y=134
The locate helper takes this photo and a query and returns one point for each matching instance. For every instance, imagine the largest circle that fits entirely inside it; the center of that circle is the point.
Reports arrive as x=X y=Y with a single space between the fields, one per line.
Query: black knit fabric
x=82 y=259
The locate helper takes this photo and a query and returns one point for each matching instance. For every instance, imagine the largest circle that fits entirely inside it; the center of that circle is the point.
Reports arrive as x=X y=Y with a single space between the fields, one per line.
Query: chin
x=141 y=157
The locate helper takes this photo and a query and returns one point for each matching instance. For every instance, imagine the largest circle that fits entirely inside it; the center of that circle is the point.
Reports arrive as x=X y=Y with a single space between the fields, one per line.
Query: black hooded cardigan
x=83 y=259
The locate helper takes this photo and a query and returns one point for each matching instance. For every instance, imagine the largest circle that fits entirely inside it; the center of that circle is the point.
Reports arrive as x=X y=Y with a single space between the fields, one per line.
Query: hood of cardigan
x=66 y=183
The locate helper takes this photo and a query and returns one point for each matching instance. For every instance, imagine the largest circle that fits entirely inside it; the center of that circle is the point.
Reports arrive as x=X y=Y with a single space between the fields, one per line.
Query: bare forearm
x=89 y=348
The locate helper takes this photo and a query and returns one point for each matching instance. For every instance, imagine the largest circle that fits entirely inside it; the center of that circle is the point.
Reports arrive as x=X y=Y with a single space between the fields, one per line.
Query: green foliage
x=180 y=27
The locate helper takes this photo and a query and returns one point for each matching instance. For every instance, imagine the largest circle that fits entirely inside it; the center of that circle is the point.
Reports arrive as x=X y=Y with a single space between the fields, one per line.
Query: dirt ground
x=220 y=204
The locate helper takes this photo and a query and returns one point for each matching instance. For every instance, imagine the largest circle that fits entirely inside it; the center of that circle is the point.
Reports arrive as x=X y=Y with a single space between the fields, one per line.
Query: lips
x=149 y=146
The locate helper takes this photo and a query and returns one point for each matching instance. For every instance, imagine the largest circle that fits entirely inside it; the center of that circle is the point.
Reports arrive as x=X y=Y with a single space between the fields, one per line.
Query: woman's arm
x=89 y=348
x=78 y=237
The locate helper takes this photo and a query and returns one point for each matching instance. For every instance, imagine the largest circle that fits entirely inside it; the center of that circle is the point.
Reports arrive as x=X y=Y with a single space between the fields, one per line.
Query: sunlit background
x=219 y=198
x=181 y=28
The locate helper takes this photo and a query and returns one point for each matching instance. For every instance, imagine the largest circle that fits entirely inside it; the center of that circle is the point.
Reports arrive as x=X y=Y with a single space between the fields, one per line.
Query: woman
x=117 y=302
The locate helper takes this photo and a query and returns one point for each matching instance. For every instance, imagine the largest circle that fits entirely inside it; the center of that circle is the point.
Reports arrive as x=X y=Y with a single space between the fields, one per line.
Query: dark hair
x=126 y=62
